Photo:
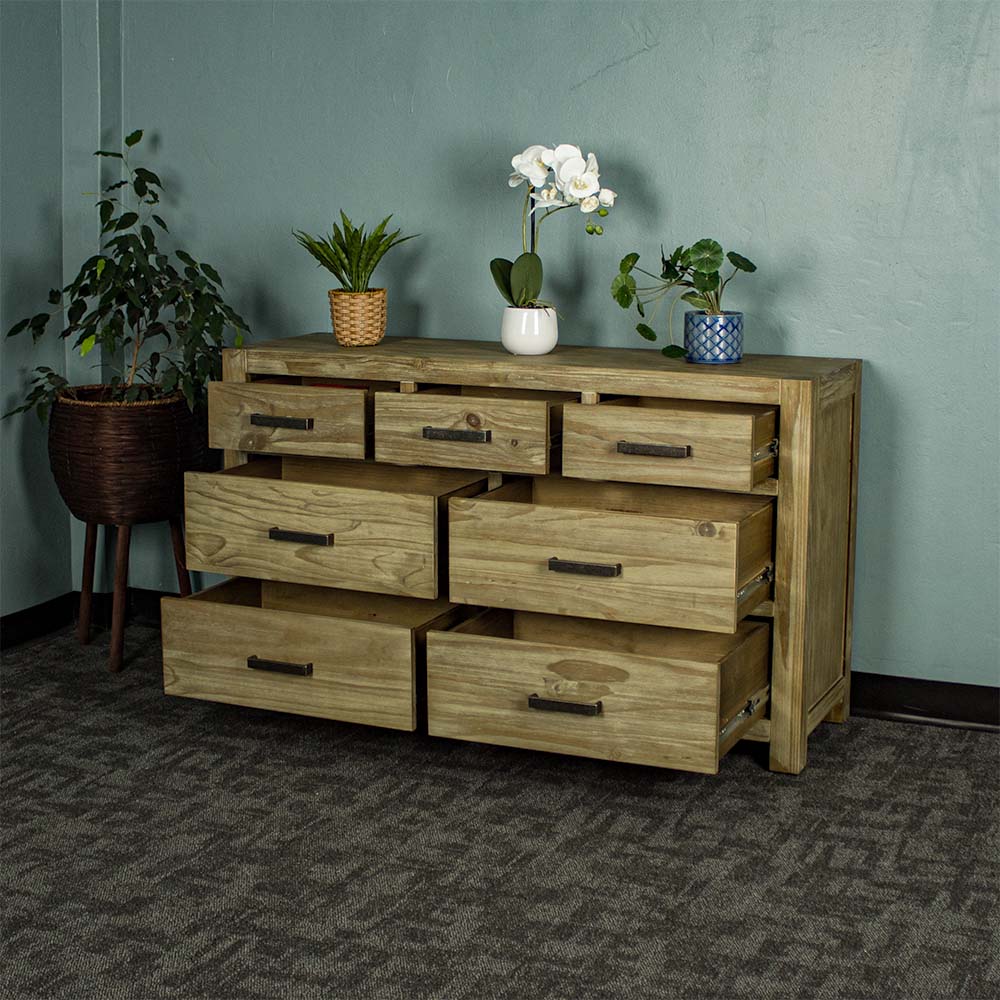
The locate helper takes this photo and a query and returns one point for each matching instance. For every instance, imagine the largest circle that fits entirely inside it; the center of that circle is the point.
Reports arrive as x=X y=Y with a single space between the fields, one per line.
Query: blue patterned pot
x=711 y=339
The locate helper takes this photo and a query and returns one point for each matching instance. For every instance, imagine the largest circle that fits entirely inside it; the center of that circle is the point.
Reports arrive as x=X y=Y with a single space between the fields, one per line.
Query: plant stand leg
x=120 y=599
x=87 y=585
x=177 y=538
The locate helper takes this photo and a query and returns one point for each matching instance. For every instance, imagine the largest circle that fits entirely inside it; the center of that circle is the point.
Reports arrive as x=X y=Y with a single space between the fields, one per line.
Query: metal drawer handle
x=303 y=537
x=294 y=423
x=583 y=568
x=572 y=707
x=280 y=666
x=447 y=434
x=657 y=450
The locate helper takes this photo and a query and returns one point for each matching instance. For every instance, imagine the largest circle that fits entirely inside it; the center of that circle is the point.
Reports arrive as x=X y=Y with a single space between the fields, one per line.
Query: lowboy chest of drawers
x=595 y=552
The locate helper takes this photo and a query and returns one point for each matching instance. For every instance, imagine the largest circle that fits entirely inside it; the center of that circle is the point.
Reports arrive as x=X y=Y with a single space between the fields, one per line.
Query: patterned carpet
x=157 y=847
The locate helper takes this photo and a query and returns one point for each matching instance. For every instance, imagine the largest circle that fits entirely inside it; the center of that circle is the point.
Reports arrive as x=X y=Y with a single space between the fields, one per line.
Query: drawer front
x=591 y=703
x=331 y=668
x=333 y=536
x=467 y=432
x=286 y=419
x=604 y=564
x=688 y=444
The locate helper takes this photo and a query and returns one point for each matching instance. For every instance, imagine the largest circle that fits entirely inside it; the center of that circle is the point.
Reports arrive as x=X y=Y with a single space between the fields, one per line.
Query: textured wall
x=34 y=524
x=850 y=149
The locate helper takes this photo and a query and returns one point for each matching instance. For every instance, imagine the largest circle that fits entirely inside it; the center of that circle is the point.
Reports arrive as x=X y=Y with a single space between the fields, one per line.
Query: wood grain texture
x=363 y=671
x=721 y=439
x=234 y=371
x=337 y=415
x=660 y=709
x=519 y=430
x=841 y=711
x=384 y=542
x=637 y=372
x=679 y=557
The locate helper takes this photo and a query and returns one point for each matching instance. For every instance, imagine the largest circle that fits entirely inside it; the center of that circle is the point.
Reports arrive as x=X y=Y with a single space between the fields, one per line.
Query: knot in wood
x=706 y=529
x=473 y=420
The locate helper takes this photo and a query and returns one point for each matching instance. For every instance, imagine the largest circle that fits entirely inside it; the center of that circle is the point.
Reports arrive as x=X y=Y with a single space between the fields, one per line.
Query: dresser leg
x=87 y=584
x=121 y=594
x=177 y=539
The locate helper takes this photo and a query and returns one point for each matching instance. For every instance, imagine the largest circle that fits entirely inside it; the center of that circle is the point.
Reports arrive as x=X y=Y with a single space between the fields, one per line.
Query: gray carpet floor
x=156 y=847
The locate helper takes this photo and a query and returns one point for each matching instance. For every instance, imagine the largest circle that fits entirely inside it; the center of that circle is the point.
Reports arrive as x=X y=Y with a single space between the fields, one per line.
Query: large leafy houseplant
x=690 y=274
x=160 y=319
x=351 y=254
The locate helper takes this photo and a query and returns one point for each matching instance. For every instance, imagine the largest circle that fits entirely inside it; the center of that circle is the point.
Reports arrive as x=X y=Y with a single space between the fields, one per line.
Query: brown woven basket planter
x=358 y=317
x=122 y=463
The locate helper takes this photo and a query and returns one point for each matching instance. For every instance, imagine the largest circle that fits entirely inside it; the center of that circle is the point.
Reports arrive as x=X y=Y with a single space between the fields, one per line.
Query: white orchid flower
x=607 y=197
x=590 y=204
x=576 y=181
x=563 y=152
x=531 y=165
x=548 y=198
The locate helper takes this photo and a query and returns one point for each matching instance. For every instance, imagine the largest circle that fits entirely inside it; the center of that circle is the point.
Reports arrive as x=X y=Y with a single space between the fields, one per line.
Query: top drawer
x=503 y=430
x=322 y=420
x=671 y=442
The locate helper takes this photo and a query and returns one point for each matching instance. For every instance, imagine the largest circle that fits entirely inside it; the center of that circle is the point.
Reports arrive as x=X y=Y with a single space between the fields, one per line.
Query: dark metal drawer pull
x=447 y=434
x=572 y=707
x=584 y=569
x=293 y=423
x=303 y=537
x=280 y=666
x=657 y=450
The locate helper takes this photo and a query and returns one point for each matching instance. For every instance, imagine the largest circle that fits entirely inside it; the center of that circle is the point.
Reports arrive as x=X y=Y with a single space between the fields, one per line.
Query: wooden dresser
x=597 y=552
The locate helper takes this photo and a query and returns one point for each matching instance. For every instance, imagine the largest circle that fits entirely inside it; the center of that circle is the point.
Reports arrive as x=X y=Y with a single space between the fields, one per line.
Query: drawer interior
x=631 y=498
x=420 y=481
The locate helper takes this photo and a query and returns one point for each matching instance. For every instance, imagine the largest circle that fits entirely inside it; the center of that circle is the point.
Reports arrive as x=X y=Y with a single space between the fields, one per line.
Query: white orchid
x=558 y=177
x=531 y=166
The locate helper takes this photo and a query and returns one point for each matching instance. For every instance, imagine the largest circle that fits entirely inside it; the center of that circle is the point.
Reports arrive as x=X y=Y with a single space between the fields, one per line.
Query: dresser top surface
x=601 y=369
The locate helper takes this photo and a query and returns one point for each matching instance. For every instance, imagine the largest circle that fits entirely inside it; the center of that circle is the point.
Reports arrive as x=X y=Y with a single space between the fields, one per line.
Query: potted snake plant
x=357 y=312
x=118 y=448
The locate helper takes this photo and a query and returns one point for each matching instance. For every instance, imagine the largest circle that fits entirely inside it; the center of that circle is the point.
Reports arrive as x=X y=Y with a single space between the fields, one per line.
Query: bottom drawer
x=334 y=654
x=638 y=693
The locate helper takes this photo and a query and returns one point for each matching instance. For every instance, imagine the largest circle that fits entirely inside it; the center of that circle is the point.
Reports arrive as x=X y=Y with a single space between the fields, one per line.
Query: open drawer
x=330 y=522
x=674 y=442
x=636 y=693
x=650 y=554
x=314 y=651
x=503 y=430
x=292 y=416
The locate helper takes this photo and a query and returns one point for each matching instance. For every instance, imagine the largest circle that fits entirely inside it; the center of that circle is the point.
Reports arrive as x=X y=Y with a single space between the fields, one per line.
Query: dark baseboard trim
x=33 y=623
x=932 y=703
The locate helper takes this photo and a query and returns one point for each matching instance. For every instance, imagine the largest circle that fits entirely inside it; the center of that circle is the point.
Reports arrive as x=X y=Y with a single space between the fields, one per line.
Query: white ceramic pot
x=529 y=331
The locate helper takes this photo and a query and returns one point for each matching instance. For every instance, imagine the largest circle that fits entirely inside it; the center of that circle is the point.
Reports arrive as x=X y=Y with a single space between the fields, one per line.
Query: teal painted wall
x=850 y=149
x=35 y=555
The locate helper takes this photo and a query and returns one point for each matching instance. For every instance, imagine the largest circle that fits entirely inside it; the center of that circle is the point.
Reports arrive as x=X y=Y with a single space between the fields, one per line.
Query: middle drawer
x=503 y=430
x=650 y=554
x=335 y=523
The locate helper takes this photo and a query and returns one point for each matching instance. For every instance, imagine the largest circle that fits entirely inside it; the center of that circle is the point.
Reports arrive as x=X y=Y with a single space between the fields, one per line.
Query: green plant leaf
x=639 y=307
x=160 y=223
x=133 y=137
x=18 y=327
x=623 y=289
x=87 y=345
x=127 y=219
x=148 y=176
x=106 y=152
x=740 y=262
x=628 y=262
x=526 y=278
x=693 y=298
x=646 y=332
x=705 y=282
x=212 y=273
x=673 y=351
x=99 y=268
x=500 y=269
x=705 y=256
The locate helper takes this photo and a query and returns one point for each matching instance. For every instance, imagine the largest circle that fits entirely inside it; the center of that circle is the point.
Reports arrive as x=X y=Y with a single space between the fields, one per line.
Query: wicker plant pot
x=358 y=317
x=122 y=463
